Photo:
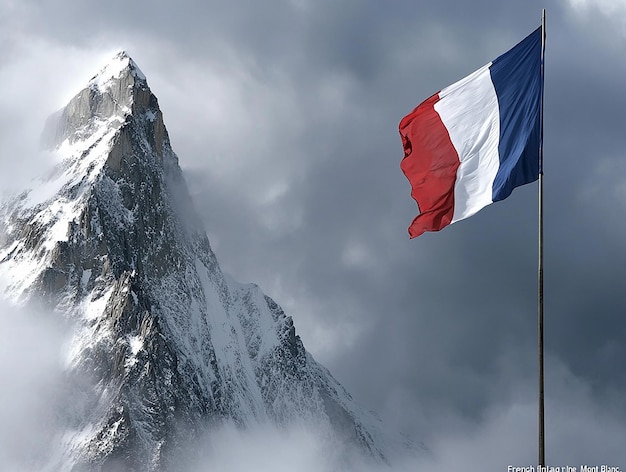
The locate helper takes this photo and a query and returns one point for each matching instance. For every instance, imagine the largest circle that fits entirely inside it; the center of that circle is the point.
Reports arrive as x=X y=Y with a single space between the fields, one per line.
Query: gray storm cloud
x=285 y=117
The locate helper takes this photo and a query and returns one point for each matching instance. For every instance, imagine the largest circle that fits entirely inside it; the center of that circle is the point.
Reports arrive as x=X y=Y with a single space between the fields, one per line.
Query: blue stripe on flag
x=516 y=77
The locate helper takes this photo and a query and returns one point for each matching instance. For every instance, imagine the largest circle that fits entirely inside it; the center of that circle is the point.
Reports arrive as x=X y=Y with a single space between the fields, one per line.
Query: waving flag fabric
x=473 y=142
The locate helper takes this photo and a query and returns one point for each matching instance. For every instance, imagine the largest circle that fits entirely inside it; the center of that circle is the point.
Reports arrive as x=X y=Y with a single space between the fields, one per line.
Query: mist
x=579 y=431
x=32 y=355
x=505 y=436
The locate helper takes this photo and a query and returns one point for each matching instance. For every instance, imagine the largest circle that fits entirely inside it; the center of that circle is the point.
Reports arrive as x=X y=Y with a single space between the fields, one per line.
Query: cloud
x=31 y=368
x=610 y=13
x=41 y=76
x=606 y=7
x=269 y=449
x=607 y=184
x=506 y=435
x=579 y=429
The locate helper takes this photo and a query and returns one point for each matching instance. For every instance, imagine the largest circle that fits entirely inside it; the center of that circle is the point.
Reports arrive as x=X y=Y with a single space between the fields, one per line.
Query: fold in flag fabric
x=473 y=142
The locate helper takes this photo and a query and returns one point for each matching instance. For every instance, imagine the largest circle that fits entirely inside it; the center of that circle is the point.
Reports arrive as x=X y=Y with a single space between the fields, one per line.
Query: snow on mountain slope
x=166 y=345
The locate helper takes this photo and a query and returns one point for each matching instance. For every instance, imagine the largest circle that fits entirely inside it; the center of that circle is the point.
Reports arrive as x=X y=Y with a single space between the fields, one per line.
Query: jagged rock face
x=166 y=344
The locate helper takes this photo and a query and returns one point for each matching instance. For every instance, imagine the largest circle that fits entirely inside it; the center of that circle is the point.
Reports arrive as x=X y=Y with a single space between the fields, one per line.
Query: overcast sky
x=284 y=115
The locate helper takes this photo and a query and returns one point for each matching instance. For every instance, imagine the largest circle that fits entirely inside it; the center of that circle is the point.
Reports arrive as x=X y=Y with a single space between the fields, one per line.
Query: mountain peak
x=119 y=90
x=165 y=346
x=119 y=65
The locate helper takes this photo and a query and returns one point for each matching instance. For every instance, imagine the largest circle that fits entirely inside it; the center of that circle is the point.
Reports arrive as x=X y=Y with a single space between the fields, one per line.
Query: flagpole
x=542 y=442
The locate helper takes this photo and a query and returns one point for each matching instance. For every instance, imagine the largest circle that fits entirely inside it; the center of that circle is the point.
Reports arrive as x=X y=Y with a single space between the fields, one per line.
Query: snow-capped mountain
x=165 y=344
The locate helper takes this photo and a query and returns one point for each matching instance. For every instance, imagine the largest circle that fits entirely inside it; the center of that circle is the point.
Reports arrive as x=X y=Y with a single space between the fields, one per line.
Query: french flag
x=473 y=142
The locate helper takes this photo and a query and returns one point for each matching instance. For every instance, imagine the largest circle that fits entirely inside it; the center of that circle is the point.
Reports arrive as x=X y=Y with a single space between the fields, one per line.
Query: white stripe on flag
x=469 y=111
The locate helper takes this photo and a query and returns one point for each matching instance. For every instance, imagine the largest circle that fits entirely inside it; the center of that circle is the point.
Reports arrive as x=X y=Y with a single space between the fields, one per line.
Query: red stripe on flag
x=430 y=163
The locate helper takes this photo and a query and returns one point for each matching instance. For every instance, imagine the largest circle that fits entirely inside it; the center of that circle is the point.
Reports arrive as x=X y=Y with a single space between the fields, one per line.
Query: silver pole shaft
x=542 y=442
